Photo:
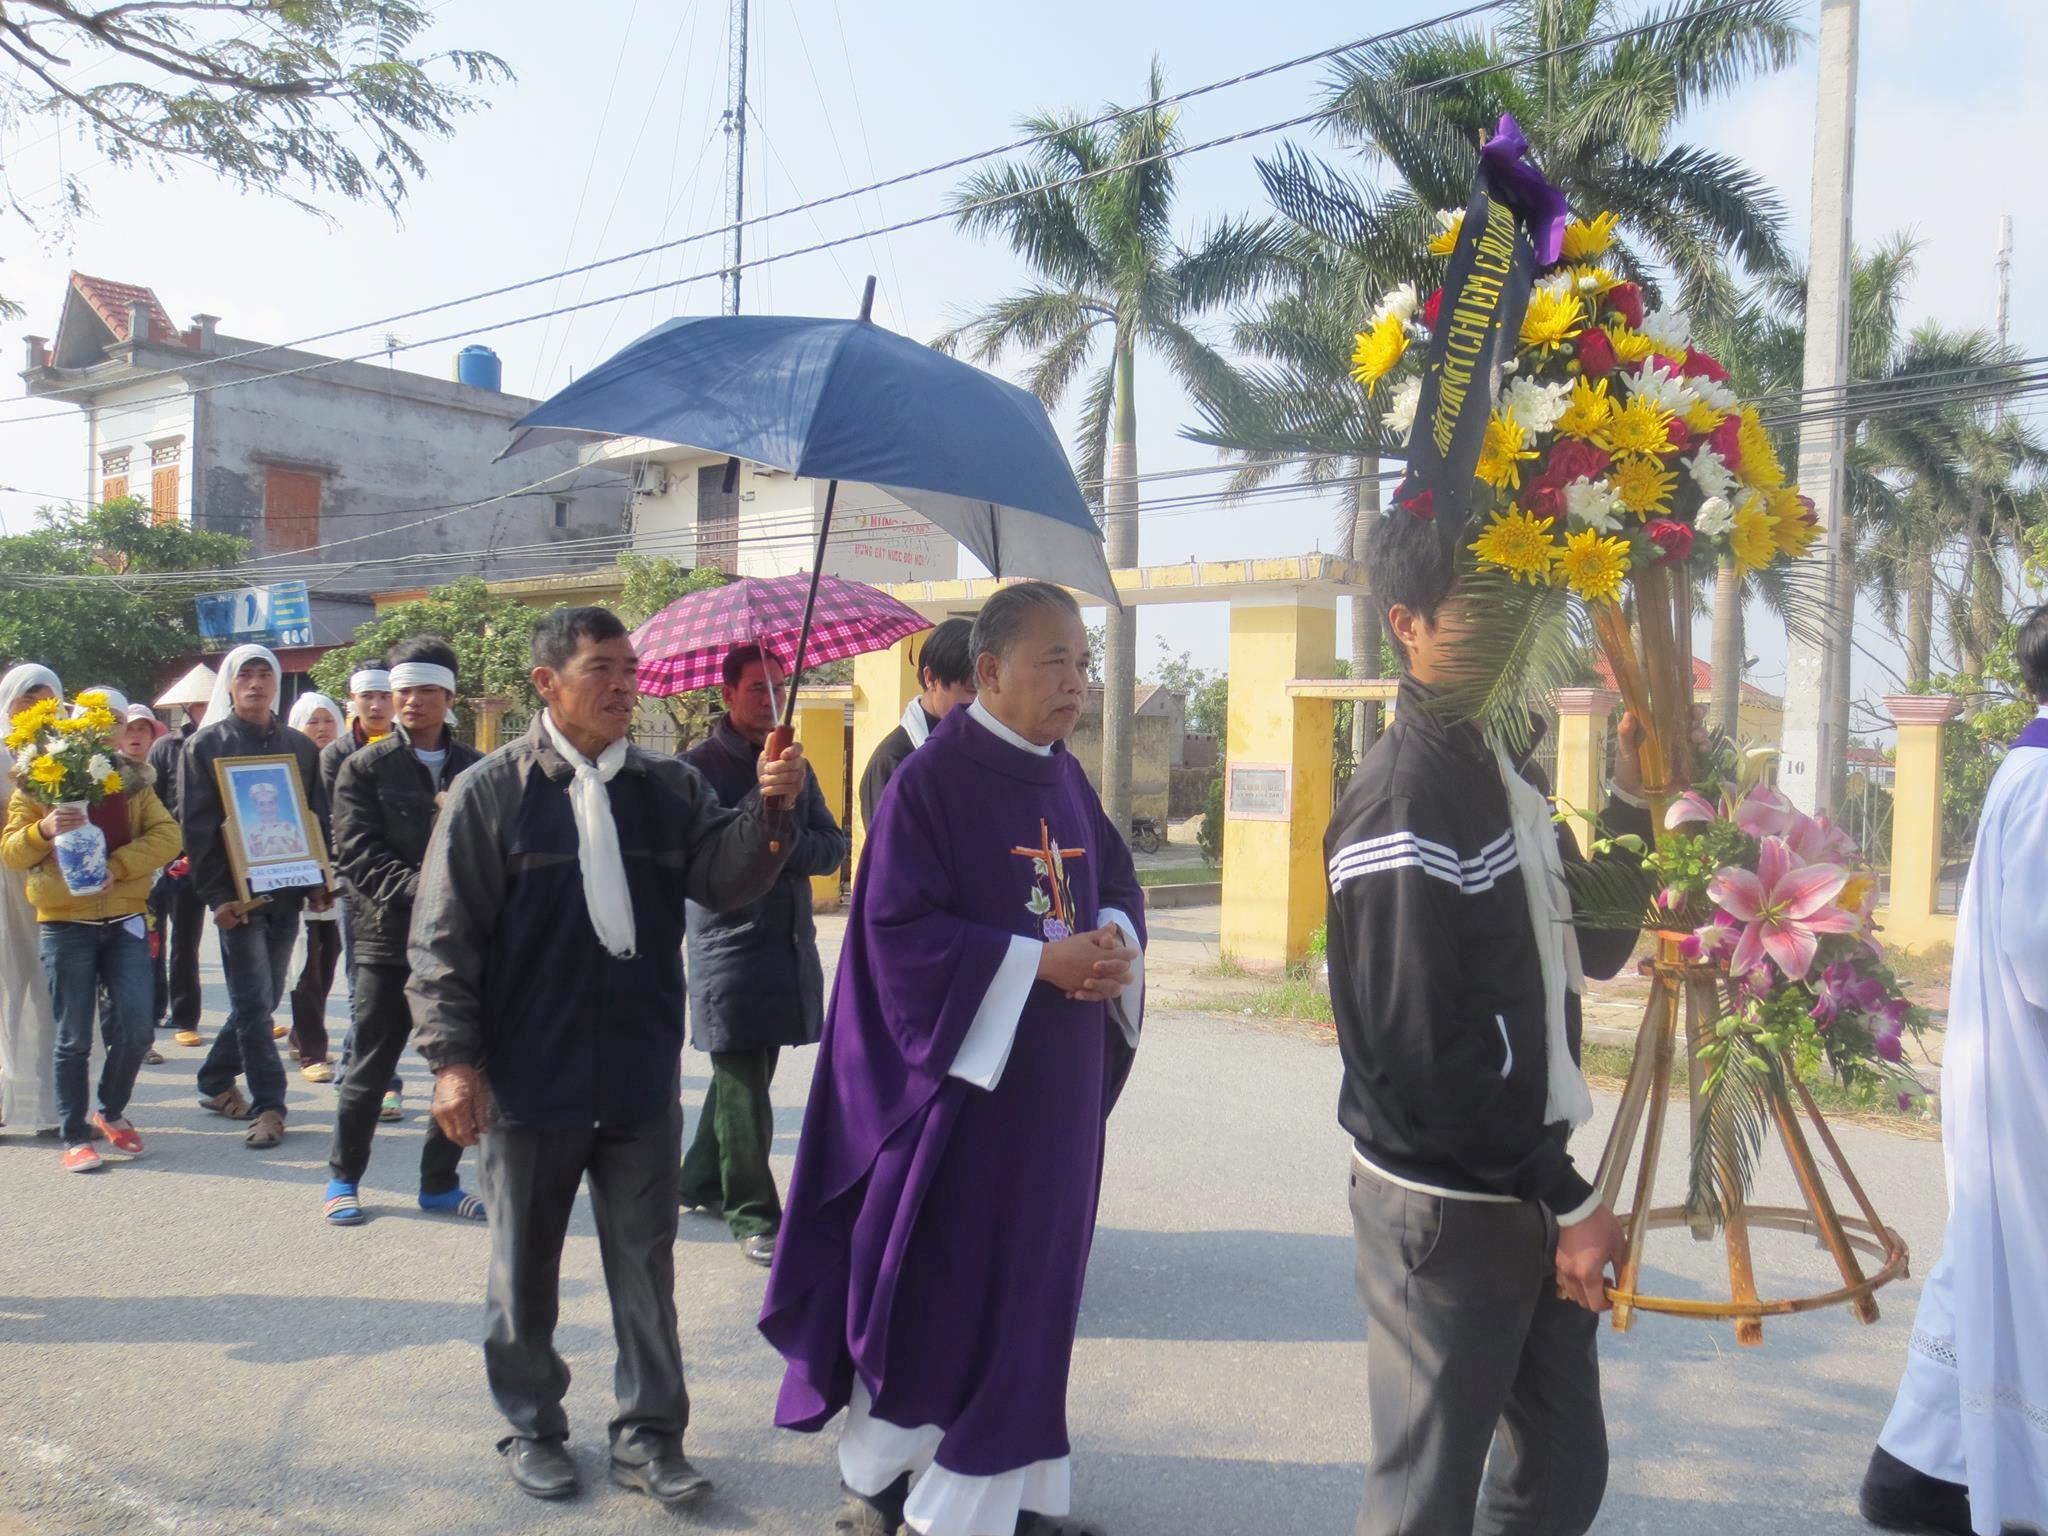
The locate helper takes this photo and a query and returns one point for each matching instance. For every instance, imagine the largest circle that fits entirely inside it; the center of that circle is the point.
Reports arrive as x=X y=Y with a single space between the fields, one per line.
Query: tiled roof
x=110 y=301
x=1702 y=682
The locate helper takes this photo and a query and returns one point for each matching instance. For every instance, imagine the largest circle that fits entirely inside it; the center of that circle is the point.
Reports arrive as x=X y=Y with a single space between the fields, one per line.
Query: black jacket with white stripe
x=1435 y=978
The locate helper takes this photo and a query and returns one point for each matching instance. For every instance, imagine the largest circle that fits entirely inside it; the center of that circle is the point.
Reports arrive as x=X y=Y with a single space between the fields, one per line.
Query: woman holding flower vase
x=28 y=1099
x=89 y=896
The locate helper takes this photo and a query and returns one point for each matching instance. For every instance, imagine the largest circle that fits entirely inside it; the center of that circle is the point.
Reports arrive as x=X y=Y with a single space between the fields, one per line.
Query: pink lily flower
x=1784 y=907
x=1818 y=841
x=1710 y=941
x=1766 y=813
x=1692 y=806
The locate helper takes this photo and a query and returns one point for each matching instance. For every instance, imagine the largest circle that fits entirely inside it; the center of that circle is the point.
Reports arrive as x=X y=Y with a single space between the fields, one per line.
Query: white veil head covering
x=306 y=703
x=19 y=681
x=117 y=701
x=222 y=703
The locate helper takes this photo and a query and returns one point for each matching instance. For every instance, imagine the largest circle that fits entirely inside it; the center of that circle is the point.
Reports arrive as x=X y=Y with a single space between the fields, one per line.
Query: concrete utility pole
x=2004 y=305
x=1817 y=666
x=735 y=121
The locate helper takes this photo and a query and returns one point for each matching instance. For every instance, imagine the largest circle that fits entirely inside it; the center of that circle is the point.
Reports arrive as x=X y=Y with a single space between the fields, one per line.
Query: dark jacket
x=384 y=813
x=755 y=980
x=163 y=760
x=882 y=766
x=1435 y=977
x=507 y=972
x=332 y=756
x=199 y=807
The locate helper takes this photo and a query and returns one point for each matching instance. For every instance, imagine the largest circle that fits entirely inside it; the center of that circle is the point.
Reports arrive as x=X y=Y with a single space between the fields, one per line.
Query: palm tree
x=1113 y=277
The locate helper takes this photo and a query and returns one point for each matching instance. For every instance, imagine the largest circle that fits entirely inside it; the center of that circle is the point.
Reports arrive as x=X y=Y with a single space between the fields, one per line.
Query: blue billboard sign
x=277 y=615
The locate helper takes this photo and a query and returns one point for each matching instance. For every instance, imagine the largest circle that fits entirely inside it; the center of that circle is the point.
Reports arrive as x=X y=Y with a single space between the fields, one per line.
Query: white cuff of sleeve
x=1616 y=792
x=986 y=1050
x=1580 y=1212
x=1130 y=1008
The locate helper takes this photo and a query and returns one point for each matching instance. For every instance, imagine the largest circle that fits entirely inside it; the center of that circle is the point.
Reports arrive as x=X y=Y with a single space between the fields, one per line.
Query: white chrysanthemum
x=1710 y=472
x=1401 y=302
x=1447 y=219
x=1558 y=285
x=1715 y=393
x=1716 y=517
x=51 y=744
x=1667 y=387
x=99 y=767
x=1668 y=328
x=1536 y=406
x=1591 y=504
x=1400 y=415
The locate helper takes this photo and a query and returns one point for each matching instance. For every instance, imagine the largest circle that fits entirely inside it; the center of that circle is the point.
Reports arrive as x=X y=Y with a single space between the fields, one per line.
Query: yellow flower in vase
x=1642 y=485
x=1759 y=467
x=1503 y=452
x=1551 y=320
x=1593 y=567
x=1518 y=543
x=47 y=771
x=1597 y=282
x=1588 y=413
x=1449 y=223
x=1796 y=529
x=1701 y=418
x=1589 y=237
x=111 y=784
x=98 y=719
x=1629 y=346
x=1377 y=352
x=1752 y=538
x=1642 y=426
x=72 y=725
x=92 y=698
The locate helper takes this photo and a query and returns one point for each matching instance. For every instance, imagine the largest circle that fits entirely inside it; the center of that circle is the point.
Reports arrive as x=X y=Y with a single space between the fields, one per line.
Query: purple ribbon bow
x=1522 y=187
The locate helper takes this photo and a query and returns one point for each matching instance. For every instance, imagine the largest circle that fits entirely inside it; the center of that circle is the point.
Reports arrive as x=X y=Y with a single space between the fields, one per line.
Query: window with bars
x=163 y=494
x=291 y=510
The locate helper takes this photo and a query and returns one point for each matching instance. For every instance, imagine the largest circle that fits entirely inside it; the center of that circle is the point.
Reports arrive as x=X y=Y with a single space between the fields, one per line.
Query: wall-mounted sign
x=1256 y=792
x=277 y=615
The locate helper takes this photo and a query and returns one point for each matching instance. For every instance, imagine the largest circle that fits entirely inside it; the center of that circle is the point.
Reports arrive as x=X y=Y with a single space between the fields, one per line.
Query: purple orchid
x=1711 y=941
x=1784 y=906
x=1891 y=1042
x=1843 y=991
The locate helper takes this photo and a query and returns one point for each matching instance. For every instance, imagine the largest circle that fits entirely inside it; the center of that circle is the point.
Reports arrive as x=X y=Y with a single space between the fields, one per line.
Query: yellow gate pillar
x=884 y=683
x=1910 y=920
x=1582 y=716
x=821 y=731
x=1277 y=777
x=490 y=720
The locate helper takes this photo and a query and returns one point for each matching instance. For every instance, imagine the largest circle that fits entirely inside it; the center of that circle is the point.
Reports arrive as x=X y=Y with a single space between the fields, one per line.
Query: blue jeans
x=78 y=960
x=257 y=956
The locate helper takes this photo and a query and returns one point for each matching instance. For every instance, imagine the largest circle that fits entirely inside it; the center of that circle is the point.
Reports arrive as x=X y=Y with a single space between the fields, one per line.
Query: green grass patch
x=1180 y=874
x=1297 y=996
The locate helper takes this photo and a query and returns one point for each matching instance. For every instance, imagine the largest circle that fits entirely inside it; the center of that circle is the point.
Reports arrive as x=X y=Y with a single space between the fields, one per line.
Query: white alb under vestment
x=1973 y=1405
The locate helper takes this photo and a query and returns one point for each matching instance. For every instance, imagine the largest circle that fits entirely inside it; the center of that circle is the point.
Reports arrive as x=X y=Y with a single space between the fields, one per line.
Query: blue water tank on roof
x=479 y=368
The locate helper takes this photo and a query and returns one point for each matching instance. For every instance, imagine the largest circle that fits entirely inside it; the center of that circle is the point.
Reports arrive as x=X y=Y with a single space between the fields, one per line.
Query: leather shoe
x=542 y=1468
x=666 y=1476
x=759 y=1250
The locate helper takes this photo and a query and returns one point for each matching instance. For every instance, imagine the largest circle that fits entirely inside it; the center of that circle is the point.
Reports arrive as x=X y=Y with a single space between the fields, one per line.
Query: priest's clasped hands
x=1088 y=967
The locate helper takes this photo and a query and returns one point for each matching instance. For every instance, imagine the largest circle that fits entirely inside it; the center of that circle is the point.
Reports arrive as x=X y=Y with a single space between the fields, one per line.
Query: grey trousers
x=1469 y=1347
x=530 y=1182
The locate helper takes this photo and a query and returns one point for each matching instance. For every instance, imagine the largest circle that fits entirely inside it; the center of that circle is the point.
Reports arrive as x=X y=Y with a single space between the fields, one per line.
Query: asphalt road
x=186 y=1348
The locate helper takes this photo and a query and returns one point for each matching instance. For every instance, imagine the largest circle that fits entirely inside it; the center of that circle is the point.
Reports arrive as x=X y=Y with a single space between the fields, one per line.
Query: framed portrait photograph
x=273 y=842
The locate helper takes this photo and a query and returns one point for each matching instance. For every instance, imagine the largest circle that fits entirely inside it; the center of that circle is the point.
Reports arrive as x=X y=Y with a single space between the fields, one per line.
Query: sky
x=608 y=142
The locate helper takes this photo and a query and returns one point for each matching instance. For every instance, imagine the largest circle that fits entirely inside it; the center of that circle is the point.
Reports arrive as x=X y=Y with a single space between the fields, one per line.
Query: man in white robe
x=1966 y=1447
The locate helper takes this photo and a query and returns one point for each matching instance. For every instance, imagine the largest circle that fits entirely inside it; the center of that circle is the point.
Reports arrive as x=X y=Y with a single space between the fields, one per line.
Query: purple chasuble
x=936 y=1234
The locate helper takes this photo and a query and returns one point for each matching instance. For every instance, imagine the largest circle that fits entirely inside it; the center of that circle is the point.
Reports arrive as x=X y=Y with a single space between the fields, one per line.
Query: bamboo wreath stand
x=1655 y=681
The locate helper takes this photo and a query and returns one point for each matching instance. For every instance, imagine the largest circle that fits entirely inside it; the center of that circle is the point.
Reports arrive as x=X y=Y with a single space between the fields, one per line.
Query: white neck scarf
x=916 y=723
x=1557 y=943
x=605 y=891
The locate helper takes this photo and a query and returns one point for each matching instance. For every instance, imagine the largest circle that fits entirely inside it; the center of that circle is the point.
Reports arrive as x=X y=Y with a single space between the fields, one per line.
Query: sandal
x=228 y=1103
x=267 y=1132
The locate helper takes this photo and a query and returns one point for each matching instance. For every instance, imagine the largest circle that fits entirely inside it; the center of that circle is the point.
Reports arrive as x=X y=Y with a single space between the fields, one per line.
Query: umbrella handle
x=779 y=741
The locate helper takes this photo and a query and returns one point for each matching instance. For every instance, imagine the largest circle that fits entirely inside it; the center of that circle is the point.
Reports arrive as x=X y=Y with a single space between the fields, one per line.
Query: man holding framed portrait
x=251 y=801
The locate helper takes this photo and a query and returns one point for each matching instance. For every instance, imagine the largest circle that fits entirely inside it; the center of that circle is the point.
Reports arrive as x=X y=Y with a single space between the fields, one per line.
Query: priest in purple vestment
x=928 y=1278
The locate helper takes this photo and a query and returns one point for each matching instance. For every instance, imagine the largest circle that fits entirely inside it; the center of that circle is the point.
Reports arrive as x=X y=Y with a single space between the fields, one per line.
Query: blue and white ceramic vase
x=82 y=856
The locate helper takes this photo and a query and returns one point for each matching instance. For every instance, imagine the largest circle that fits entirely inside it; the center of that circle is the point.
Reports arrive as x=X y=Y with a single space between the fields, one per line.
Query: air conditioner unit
x=650 y=478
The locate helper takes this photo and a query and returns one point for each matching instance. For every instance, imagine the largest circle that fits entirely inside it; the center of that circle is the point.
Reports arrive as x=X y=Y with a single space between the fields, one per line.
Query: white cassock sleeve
x=2023 y=904
x=1129 y=1009
x=986 y=1050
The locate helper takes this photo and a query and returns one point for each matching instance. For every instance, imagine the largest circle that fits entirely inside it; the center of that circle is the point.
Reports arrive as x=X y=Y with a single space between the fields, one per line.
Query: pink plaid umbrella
x=684 y=646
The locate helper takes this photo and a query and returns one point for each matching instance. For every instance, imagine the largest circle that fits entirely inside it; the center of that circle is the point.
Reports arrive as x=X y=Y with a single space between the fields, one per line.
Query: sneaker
x=279 y=1031
x=121 y=1135
x=82 y=1159
x=394 y=1106
x=187 y=1037
x=317 y=1072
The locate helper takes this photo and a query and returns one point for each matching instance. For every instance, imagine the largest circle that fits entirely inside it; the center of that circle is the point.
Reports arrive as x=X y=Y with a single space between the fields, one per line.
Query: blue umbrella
x=846 y=400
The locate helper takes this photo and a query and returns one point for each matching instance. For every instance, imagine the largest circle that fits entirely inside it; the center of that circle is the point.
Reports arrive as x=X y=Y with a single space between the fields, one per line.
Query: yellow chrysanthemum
x=1643 y=485
x=1446 y=239
x=1503 y=452
x=20 y=737
x=1584 y=237
x=1752 y=539
x=1551 y=320
x=92 y=698
x=1792 y=532
x=1590 y=410
x=101 y=719
x=1592 y=566
x=47 y=772
x=1602 y=281
x=1702 y=418
x=1759 y=467
x=111 y=784
x=72 y=725
x=1518 y=543
x=1629 y=346
x=1377 y=352
x=1641 y=426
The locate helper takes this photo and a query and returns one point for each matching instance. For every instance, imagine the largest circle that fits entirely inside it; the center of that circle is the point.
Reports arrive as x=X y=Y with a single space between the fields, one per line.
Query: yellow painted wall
x=821 y=731
x=1909 y=919
x=1273 y=883
x=884 y=683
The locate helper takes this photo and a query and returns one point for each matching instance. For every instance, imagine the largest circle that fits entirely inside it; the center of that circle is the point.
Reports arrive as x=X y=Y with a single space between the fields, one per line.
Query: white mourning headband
x=370 y=680
x=421 y=674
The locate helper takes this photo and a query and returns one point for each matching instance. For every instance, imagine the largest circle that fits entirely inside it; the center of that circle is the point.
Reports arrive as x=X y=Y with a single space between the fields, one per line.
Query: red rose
x=1422 y=506
x=1700 y=366
x=1431 y=306
x=1726 y=440
x=1573 y=460
x=1680 y=435
x=1673 y=538
x=1539 y=499
x=1627 y=300
x=1596 y=353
